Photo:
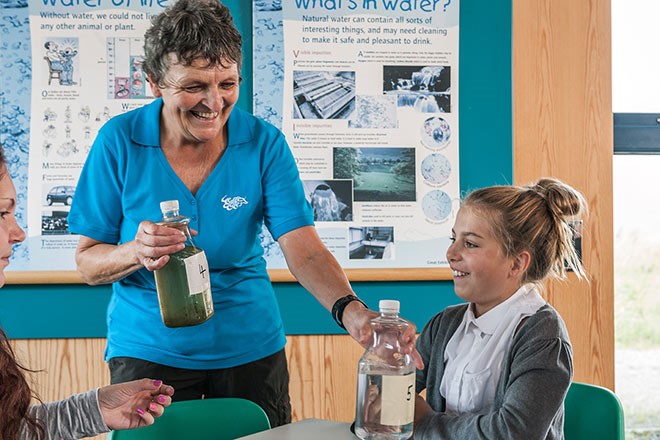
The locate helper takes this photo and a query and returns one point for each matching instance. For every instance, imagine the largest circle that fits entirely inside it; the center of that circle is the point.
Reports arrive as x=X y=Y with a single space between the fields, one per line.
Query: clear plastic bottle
x=385 y=405
x=183 y=284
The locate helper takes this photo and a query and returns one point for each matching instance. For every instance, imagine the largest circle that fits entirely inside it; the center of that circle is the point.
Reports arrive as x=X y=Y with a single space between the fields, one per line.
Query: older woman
x=123 y=406
x=230 y=172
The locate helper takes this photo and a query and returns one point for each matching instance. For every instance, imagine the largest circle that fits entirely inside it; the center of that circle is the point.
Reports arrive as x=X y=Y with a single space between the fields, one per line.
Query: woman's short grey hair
x=191 y=30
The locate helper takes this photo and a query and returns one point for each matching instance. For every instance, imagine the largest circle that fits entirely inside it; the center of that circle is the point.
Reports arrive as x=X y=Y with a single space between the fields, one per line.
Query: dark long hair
x=15 y=393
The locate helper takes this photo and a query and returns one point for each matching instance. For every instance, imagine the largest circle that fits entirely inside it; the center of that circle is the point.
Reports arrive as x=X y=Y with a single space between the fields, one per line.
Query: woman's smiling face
x=197 y=100
x=10 y=232
x=483 y=275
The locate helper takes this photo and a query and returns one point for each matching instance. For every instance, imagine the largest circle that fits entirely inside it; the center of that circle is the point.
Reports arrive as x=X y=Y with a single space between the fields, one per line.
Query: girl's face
x=197 y=100
x=483 y=275
x=10 y=232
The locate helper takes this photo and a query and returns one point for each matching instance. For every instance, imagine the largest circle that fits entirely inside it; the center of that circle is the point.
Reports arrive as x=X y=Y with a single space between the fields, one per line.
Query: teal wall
x=486 y=139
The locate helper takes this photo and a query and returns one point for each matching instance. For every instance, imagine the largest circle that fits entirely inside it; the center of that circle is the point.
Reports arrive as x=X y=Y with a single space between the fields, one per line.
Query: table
x=307 y=429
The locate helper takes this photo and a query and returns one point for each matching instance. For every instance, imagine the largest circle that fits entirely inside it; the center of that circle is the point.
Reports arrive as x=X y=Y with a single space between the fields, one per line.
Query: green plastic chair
x=216 y=419
x=592 y=412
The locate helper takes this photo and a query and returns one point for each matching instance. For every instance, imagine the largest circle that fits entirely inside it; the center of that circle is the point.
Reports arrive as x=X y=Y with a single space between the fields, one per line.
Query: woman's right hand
x=134 y=404
x=155 y=243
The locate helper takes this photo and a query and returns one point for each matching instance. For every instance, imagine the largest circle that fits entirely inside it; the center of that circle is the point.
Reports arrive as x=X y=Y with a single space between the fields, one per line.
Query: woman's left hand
x=356 y=320
x=134 y=404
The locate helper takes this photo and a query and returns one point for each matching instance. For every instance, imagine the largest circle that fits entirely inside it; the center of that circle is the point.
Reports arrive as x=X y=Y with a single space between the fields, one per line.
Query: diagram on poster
x=126 y=77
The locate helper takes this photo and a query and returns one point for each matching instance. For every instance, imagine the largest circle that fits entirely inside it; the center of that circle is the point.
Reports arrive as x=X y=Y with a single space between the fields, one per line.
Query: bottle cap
x=388 y=306
x=169 y=205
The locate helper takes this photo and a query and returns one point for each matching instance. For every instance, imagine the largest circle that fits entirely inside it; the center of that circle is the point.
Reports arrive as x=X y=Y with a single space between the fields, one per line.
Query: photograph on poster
x=374 y=112
x=55 y=222
x=435 y=133
x=427 y=89
x=331 y=200
x=378 y=174
x=436 y=169
x=323 y=94
x=272 y=249
x=60 y=194
x=371 y=243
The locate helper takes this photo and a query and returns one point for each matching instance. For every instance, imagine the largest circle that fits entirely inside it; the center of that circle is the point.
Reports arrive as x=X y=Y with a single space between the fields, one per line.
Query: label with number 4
x=197 y=270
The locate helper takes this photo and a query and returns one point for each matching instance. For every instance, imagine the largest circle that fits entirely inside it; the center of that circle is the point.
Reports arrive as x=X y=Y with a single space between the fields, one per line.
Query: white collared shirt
x=474 y=354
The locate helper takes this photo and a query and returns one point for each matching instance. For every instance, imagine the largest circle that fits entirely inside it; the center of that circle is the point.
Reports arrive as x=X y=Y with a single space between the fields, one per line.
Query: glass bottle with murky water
x=183 y=284
x=385 y=406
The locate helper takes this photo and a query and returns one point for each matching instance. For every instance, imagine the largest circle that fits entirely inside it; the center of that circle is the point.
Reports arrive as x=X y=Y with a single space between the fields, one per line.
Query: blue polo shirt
x=125 y=178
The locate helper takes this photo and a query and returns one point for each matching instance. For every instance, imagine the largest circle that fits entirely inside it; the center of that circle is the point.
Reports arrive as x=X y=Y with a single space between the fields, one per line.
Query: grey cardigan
x=72 y=418
x=535 y=377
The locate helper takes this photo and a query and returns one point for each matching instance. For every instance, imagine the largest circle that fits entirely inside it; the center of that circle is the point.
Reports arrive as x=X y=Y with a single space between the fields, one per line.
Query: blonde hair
x=535 y=218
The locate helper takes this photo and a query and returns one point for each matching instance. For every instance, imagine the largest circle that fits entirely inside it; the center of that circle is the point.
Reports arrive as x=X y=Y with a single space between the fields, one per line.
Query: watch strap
x=339 y=306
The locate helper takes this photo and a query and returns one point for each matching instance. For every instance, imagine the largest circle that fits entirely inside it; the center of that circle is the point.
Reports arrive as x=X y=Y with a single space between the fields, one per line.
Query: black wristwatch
x=340 y=305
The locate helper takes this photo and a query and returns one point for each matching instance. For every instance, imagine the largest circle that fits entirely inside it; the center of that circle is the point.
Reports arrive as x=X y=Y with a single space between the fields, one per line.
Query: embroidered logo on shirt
x=231 y=203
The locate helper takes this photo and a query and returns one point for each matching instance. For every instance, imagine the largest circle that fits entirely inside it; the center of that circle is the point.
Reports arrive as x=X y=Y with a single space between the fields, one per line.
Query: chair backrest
x=50 y=64
x=217 y=419
x=592 y=412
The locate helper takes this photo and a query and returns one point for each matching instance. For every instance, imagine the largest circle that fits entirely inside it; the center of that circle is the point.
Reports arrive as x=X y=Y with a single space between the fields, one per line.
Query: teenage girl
x=499 y=366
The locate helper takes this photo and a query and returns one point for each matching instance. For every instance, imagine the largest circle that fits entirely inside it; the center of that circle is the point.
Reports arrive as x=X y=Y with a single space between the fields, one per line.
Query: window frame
x=636 y=133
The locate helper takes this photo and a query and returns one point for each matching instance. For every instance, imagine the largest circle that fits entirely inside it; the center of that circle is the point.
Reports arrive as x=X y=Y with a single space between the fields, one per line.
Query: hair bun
x=562 y=200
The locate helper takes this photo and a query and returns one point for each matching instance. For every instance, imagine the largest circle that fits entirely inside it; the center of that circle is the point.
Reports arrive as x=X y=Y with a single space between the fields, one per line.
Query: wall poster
x=366 y=92
x=86 y=67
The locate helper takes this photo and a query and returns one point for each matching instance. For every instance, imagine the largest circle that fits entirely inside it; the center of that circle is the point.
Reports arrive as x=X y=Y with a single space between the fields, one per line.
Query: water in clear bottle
x=385 y=406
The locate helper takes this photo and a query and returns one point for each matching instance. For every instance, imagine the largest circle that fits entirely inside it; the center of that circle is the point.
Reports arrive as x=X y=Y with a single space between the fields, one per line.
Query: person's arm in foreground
x=318 y=271
x=121 y=406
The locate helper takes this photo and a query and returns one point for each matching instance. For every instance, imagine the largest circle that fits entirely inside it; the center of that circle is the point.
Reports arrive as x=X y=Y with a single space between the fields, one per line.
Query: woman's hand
x=153 y=244
x=134 y=404
x=356 y=320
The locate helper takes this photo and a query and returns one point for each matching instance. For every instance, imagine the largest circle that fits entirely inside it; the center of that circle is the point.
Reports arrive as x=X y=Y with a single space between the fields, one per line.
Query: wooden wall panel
x=563 y=128
x=323 y=371
x=63 y=366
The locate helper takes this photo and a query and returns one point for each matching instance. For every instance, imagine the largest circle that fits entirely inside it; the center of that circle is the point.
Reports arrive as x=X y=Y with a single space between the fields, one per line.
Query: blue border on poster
x=486 y=112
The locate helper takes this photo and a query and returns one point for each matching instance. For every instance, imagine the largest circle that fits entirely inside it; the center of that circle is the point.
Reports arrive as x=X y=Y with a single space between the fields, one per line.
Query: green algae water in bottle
x=183 y=284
